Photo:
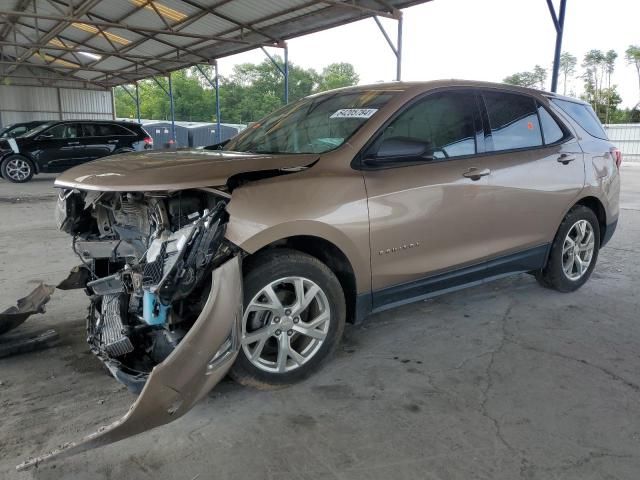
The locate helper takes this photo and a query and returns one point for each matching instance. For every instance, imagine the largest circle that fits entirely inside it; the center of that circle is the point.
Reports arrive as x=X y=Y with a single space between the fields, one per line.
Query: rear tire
x=17 y=169
x=574 y=251
x=282 y=342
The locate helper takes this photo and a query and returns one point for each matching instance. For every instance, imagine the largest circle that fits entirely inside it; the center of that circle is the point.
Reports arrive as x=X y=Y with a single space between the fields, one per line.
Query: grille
x=114 y=342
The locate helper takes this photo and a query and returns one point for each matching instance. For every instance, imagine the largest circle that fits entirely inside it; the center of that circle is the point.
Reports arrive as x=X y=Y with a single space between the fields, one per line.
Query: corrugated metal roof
x=135 y=39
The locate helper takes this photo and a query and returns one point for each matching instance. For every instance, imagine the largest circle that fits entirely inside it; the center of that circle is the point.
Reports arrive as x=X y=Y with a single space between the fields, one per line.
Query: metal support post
x=286 y=73
x=216 y=85
x=173 y=116
x=558 y=23
x=284 y=69
x=137 y=102
x=397 y=48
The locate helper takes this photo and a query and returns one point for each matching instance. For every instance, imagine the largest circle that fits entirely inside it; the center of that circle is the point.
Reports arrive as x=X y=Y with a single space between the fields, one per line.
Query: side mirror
x=399 y=149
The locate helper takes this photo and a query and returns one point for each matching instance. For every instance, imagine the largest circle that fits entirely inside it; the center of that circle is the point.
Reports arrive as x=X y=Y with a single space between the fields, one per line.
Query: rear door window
x=445 y=122
x=584 y=116
x=65 y=130
x=513 y=121
x=90 y=130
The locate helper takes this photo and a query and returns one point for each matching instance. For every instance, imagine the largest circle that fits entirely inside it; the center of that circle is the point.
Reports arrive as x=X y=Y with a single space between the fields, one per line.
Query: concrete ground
x=502 y=381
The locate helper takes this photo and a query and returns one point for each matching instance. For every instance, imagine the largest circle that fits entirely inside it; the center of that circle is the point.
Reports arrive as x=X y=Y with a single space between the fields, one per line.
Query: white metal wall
x=19 y=103
x=625 y=136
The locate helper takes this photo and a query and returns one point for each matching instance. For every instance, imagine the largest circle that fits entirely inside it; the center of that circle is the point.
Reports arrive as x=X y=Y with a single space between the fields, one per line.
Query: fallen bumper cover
x=27 y=306
x=198 y=363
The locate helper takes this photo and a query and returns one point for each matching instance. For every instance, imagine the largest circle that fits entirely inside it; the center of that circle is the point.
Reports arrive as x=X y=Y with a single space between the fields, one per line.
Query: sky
x=475 y=40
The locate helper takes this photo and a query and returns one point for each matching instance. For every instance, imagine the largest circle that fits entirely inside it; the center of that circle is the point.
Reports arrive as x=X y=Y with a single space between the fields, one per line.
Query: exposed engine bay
x=147 y=259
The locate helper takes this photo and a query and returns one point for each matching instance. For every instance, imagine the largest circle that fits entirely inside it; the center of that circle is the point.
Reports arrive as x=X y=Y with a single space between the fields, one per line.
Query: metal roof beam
x=117 y=52
x=56 y=68
x=81 y=9
x=212 y=11
x=56 y=78
x=123 y=26
x=84 y=49
x=10 y=25
x=371 y=11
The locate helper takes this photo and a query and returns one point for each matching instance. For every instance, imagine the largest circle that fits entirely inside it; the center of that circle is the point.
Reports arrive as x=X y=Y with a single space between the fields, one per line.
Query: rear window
x=584 y=116
x=514 y=121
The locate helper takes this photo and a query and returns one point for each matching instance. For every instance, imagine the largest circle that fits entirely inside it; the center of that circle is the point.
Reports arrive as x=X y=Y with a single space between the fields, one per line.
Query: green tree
x=605 y=104
x=533 y=79
x=248 y=94
x=568 y=68
x=254 y=90
x=337 y=75
x=609 y=66
x=522 y=79
x=125 y=105
x=632 y=55
x=594 y=64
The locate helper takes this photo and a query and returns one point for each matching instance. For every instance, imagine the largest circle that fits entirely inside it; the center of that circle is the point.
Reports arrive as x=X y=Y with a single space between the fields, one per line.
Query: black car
x=58 y=145
x=18 y=129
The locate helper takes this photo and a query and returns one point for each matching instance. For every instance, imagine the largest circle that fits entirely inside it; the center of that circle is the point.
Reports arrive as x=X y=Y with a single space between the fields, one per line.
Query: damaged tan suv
x=249 y=257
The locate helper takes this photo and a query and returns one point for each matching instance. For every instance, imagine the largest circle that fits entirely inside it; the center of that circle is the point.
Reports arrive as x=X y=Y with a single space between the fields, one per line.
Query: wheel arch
x=329 y=254
x=597 y=207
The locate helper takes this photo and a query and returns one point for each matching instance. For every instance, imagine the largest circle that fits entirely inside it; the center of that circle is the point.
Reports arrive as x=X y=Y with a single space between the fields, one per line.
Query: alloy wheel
x=285 y=324
x=17 y=169
x=577 y=250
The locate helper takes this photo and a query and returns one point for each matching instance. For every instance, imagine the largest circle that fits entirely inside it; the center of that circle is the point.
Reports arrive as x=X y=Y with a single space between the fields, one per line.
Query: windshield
x=311 y=125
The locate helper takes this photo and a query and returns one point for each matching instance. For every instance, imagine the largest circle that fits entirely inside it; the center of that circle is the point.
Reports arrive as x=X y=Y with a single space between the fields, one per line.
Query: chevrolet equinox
x=249 y=257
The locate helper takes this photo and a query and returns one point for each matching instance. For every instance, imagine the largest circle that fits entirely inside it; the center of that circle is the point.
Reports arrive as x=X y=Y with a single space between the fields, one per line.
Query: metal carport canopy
x=114 y=42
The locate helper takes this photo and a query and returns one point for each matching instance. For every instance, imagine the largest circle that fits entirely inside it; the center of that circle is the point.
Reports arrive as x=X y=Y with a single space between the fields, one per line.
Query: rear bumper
x=608 y=232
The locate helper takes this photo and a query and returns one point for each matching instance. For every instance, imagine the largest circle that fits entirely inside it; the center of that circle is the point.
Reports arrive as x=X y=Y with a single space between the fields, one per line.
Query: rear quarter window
x=584 y=116
x=111 y=130
x=551 y=131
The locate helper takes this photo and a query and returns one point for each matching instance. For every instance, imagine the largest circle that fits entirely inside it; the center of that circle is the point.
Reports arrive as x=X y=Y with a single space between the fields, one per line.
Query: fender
x=264 y=212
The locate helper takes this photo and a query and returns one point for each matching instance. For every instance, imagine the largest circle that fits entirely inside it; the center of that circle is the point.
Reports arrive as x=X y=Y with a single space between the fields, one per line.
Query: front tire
x=574 y=251
x=17 y=169
x=293 y=320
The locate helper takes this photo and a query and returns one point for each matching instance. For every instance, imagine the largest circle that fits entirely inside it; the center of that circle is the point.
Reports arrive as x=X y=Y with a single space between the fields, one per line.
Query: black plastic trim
x=363 y=308
x=524 y=261
x=608 y=232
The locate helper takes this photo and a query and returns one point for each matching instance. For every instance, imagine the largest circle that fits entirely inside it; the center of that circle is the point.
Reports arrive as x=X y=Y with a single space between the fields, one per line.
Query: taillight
x=148 y=140
x=617 y=156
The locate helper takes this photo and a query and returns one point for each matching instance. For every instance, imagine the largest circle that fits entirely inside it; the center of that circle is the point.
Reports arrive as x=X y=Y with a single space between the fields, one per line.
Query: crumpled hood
x=173 y=170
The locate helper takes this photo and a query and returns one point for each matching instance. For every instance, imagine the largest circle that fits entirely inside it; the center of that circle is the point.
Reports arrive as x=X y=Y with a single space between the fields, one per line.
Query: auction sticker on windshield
x=354 y=113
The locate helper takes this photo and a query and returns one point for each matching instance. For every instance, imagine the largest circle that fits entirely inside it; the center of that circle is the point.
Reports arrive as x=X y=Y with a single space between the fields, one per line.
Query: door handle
x=112 y=141
x=73 y=143
x=474 y=173
x=565 y=158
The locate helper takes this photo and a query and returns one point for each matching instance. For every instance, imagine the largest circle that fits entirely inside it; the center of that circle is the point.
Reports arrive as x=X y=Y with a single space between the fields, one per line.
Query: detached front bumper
x=198 y=363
